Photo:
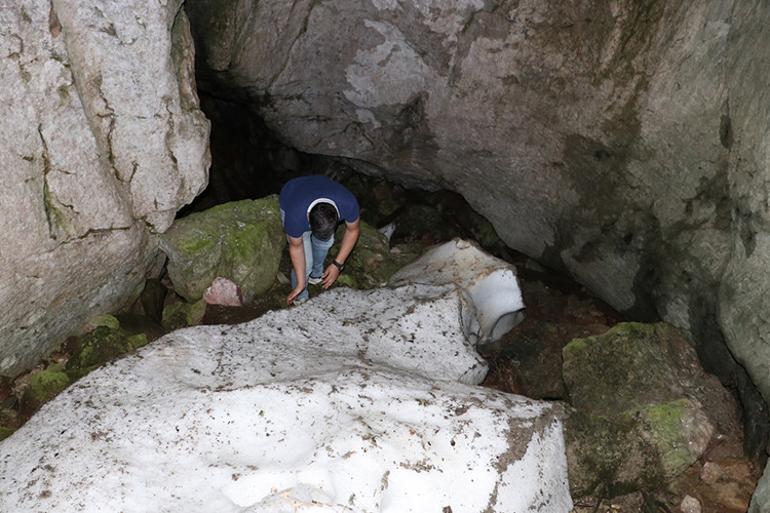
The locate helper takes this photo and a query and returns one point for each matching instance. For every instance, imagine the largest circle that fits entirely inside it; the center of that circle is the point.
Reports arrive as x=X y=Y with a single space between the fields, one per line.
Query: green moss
x=632 y=329
x=136 y=341
x=242 y=241
x=180 y=314
x=57 y=221
x=573 y=347
x=109 y=321
x=346 y=280
x=665 y=421
x=100 y=346
x=5 y=432
x=197 y=241
x=372 y=263
x=44 y=386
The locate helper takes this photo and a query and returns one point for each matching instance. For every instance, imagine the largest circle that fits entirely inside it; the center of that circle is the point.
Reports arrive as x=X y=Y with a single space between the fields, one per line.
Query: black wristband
x=338 y=265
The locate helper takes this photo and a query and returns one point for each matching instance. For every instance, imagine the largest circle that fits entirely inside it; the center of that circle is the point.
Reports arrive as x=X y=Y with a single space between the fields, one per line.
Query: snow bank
x=495 y=304
x=351 y=402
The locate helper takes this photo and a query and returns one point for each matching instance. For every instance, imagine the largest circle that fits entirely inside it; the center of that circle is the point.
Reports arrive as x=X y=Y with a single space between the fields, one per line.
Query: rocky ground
x=527 y=361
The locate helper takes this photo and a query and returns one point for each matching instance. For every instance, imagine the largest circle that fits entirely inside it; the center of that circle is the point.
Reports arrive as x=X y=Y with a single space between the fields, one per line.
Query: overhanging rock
x=354 y=401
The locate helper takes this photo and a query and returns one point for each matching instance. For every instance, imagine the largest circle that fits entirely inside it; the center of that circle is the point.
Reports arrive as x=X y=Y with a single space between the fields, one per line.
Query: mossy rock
x=242 y=241
x=636 y=449
x=9 y=417
x=620 y=369
x=635 y=427
x=346 y=280
x=372 y=262
x=107 y=320
x=5 y=432
x=180 y=314
x=599 y=454
x=44 y=386
x=101 y=346
x=678 y=430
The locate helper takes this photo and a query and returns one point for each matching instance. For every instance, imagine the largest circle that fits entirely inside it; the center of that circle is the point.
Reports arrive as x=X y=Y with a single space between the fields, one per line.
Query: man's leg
x=319 y=248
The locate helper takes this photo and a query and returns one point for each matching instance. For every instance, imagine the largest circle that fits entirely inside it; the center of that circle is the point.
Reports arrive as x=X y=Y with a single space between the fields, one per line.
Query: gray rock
x=645 y=410
x=102 y=139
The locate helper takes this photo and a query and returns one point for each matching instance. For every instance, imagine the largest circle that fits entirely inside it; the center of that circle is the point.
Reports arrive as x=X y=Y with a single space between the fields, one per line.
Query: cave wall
x=102 y=142
x=624 y=142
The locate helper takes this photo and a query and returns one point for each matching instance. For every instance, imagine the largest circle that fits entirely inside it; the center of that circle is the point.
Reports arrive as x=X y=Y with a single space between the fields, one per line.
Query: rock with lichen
x=644 y=408
x=373 y=262
x=181 y=314
x=44 y=386
x=100 y=346
x=241 y=241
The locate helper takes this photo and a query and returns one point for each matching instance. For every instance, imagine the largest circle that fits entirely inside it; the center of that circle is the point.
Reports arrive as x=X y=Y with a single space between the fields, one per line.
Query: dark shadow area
x=248 y=160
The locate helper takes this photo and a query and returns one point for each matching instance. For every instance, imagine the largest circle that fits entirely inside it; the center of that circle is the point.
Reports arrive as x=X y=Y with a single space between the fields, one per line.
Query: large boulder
x=644 y=409
x=354 y=401
x=241 y=241
x=102 y=139
x=625 y=142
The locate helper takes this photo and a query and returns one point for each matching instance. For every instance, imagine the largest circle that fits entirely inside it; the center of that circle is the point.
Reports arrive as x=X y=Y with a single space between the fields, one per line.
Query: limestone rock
x=645 y=409
x=101 y=137
x=690 y=505
x=351 y=401
x=760 y=502
x=241 y=241
x=372 y=262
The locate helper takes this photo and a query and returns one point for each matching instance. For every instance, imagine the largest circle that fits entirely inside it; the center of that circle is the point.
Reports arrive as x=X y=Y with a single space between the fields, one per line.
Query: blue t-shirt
x=301 y=194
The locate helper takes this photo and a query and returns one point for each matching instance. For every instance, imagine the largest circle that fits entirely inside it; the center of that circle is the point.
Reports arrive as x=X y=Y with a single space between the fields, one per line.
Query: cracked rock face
x=354 y=401
x=101 y=140
x=625 y=142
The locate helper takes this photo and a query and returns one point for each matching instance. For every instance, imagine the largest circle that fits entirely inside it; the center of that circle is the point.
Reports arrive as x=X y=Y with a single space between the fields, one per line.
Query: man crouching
x=311 y=209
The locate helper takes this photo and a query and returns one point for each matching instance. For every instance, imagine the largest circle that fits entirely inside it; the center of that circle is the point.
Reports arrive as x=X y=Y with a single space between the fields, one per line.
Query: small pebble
x=690 y=505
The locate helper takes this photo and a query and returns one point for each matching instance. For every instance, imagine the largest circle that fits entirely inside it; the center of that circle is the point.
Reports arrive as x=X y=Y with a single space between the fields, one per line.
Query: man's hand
x=294 y=293
x=330 y=275
x=352 y=232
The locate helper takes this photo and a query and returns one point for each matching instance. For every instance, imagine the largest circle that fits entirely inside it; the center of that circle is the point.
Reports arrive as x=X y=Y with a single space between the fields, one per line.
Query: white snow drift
x=495 y=303
x=353 y=402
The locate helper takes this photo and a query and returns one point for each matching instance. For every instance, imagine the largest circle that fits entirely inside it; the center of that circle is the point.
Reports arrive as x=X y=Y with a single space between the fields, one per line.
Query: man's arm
x=297 y=256
x=352 y=231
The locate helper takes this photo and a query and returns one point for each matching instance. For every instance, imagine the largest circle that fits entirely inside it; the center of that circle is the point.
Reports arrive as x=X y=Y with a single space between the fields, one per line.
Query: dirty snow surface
x=356 y=401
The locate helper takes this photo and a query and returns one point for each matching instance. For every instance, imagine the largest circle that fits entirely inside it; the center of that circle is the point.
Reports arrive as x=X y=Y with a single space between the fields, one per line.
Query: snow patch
x=356 y=401
x=494 y=294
